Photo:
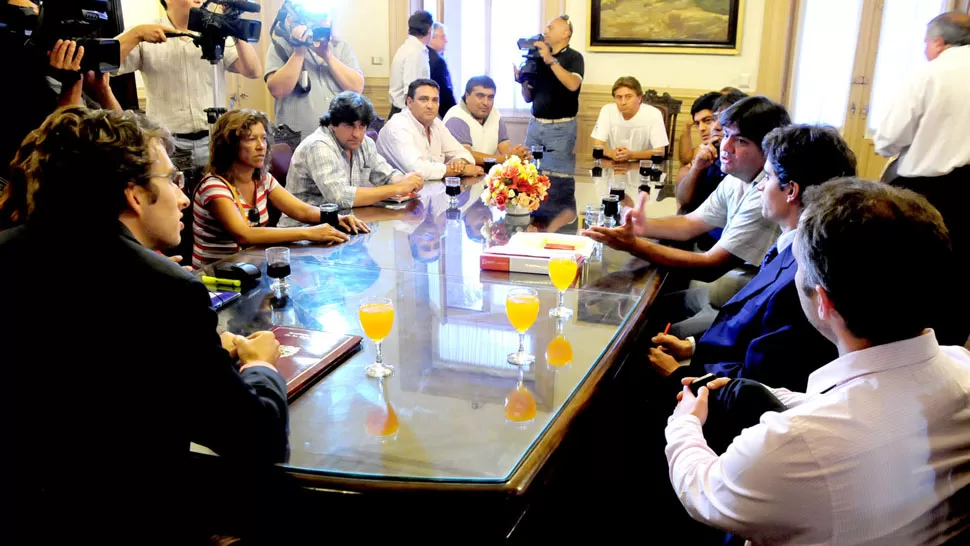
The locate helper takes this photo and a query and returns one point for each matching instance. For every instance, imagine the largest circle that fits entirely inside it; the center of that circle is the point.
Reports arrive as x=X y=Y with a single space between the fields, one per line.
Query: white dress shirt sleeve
x=416 y=67
x=789 y=398
x=396 y=144
x=899 y=125
x=450 y=147
x=132 y=62
x=765 y=487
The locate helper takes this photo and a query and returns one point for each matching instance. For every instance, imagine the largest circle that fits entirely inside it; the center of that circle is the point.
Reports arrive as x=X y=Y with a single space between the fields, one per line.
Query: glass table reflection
x=441 y=416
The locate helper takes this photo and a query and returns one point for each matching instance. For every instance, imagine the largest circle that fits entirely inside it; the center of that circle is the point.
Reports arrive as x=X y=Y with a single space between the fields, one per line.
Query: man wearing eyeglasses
x=122 y=346
x=554 y=93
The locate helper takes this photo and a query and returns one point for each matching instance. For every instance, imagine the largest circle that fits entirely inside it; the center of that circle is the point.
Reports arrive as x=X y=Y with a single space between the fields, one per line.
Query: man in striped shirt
x=338 y=163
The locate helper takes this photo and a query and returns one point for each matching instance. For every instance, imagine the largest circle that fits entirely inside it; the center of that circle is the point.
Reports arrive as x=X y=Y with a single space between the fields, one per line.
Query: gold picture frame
x=597 y=42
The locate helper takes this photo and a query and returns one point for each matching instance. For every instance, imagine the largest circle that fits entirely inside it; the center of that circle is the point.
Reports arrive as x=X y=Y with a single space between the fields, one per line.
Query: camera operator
x=49 y=79
x=179 y=82
x=304 y=75
x=554 y=93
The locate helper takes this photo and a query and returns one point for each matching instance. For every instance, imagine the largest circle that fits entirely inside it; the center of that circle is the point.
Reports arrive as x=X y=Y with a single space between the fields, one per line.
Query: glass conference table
x=449 y=341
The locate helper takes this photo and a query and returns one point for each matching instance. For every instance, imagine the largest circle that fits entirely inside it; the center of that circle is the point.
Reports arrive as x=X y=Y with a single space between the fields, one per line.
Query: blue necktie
x=771 y=255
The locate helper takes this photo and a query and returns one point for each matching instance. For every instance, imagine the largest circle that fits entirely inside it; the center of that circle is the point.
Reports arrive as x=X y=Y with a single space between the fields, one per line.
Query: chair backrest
x=280 y=154
x=670 y=108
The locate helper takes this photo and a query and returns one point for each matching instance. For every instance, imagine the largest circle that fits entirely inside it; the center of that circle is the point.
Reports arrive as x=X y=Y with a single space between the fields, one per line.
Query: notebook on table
x=307 y=355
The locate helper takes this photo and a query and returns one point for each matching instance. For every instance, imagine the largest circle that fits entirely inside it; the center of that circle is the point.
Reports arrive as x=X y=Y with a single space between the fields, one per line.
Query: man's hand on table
x=688 y=404
x=352 y=224
x=410 y=182
x=259 y=348
x=623 y=237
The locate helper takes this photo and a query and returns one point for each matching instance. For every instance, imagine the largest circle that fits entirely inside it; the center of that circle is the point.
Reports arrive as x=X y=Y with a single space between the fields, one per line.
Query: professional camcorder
x=214 y=28
x=530 y=66
x=79 y=21
x=313 y=14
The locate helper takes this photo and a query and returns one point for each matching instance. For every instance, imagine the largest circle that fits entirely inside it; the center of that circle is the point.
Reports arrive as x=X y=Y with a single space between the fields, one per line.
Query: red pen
x=667 y=329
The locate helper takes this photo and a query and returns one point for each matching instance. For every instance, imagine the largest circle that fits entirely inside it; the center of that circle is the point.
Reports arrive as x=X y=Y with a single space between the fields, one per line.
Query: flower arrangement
x=515 y=184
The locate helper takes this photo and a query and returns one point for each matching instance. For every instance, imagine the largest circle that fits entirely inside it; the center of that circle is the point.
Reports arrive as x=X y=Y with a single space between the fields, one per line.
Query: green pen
x=216 y=280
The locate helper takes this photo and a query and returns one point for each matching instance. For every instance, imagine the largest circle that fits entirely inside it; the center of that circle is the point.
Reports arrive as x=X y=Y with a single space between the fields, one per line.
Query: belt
x=560 y=120
x=198 y=135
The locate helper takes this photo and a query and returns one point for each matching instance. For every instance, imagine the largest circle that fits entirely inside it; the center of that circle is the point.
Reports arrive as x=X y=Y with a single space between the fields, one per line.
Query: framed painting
x=707 y=27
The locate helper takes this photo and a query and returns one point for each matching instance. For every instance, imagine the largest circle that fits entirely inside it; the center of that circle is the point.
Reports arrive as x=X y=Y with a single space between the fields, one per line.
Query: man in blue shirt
x=761 y=333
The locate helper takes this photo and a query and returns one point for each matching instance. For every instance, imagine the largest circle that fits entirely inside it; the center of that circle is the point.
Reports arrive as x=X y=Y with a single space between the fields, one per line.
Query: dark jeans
x=950 y=194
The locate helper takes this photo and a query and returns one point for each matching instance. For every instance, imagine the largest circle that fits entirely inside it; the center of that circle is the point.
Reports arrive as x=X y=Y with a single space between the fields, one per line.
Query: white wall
x=676 y=71
x=364 y=24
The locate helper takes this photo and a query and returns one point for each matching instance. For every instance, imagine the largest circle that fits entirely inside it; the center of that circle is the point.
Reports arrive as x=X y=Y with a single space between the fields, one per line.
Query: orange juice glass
x=562 y=271
x=376 y=318
x=522 y=308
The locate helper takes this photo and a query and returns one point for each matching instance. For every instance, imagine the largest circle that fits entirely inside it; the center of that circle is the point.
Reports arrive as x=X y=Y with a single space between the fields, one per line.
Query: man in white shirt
x=735 y=205
x=411 y=61
x=927 y=127
x=418 y=141
x=627 y=130
x=877 y=450
x=178 y=81
x=479 y=127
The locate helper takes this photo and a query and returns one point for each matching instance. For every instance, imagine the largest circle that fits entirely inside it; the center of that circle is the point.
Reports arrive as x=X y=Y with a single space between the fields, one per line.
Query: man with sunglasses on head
x=122 y=346
x=554 y=93
x=305 y=71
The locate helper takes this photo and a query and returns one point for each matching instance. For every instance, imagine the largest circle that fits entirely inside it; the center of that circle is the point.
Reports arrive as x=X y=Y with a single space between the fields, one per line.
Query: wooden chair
x=670 y=108
x=285 y=141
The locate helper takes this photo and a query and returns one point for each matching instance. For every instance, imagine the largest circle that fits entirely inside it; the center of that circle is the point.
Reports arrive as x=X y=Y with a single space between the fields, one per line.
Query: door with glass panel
x=850 y=59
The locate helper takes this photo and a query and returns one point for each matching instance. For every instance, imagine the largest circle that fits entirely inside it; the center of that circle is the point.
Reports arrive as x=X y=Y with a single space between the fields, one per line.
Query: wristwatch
x=553 y=62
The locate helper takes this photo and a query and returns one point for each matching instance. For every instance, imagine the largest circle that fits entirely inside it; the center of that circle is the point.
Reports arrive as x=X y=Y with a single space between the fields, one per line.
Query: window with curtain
x=900 y=51
x=482 y=40
x=827 y=40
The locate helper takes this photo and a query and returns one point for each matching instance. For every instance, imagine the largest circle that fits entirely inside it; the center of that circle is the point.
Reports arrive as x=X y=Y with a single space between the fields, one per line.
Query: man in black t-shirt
x=554 y=94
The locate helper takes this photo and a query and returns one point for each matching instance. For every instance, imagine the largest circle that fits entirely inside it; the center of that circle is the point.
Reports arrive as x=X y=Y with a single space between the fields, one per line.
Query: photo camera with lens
x=530 y=66
x=213 y=27
x=308 y=13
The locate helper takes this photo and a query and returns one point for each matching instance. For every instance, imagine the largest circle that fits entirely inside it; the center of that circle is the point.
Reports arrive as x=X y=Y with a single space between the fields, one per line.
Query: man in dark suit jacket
x=115 y=361
x=439 y=69
x=762 y=333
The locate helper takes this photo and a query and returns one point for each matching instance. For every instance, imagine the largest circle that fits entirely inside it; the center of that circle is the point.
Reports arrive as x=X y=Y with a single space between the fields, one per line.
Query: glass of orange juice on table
x=522 y=308
x=376 y=318
x=562 y=271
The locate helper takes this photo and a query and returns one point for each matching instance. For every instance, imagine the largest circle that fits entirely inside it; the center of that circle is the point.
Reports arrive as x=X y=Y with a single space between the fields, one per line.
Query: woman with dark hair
x=230 y=204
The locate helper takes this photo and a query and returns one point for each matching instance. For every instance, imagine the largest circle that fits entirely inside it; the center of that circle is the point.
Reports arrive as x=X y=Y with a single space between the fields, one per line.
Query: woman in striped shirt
x=230 y=204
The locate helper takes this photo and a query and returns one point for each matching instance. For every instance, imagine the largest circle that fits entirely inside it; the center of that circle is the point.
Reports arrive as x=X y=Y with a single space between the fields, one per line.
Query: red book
x=307 y=355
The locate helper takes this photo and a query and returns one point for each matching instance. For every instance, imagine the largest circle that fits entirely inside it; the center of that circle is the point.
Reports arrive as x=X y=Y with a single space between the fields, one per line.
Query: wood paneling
x=376 y=90
x=776 y=49
x=593 y=97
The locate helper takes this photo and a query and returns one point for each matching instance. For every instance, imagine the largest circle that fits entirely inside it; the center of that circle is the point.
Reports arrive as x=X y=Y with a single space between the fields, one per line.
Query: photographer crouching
x=306 y=67
x=551 y=83
x=178 y=81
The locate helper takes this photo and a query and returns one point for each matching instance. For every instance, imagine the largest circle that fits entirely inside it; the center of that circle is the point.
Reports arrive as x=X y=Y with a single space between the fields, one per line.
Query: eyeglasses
x=175 y=177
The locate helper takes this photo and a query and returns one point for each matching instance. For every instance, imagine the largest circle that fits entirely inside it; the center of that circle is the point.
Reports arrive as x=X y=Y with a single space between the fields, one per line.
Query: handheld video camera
x=308 y=13
x=214 y=28
x=530 y=66
x=78 y=21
